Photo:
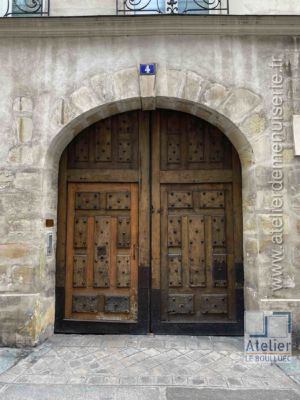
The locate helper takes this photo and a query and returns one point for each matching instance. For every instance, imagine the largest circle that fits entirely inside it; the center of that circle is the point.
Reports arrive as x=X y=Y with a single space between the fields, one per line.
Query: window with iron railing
x=30 y=8
x=23 y=8
x=132 y=7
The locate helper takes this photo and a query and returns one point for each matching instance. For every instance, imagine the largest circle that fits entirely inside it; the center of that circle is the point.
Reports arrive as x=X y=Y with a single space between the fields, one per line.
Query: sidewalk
x=142 y=367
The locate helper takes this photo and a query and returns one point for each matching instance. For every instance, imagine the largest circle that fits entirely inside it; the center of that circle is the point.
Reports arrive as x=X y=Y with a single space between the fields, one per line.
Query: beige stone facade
x=58 y=78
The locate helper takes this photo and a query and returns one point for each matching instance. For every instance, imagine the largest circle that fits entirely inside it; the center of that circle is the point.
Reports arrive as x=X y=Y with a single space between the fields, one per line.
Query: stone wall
x=258 y=7
x=52 y=88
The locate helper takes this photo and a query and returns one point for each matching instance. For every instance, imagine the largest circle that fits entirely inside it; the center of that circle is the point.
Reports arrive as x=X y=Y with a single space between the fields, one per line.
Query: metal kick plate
x=181 y=304
x=214 y=304
x=117 y=304
x=89 y=304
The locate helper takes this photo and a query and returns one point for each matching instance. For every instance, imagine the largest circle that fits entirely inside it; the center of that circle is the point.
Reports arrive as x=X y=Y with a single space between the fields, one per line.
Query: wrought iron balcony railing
x=132 y=7
x=23 y=8
x=30 y=8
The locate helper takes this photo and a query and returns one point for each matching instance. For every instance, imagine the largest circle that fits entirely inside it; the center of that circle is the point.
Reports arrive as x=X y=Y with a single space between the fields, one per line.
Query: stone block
x=126 y=84
x=239 y=103
x=18 y=319
x=246 y=157
x=249 y=201
x=264 y=200
x=263 y=175
x=21 y=155
x=170 y=83
x=148 y=92
x=6 y=179
x=22 y=204
x=193 y=86
x=62 y=112
x=215 y=95
x=262 y=149
x=288 y=155
x=103 y=86
x=3 y=226
x=25 y=180
x=84 y=99
x=251 y=247
x=249 y=223
x=23 y=105
x=24 y=129
x=18 y=278
x=13 y=250
x=255 y=125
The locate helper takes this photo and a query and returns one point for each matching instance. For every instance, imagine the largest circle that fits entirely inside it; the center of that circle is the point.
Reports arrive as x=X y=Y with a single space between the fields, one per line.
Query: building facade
x=135 y=199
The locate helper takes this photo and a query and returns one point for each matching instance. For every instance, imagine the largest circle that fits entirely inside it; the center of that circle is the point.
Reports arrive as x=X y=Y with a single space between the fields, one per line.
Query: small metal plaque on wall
x=147 y=69
x=49 y=244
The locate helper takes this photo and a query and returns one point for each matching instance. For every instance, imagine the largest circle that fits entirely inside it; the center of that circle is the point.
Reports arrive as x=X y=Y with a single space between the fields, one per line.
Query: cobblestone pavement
x=142 y=367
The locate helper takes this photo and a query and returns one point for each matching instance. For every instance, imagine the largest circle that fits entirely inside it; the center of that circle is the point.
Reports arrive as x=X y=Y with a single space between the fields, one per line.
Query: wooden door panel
x=196 y=209
x=108 y=144
x=194 y=254
x=102 y=261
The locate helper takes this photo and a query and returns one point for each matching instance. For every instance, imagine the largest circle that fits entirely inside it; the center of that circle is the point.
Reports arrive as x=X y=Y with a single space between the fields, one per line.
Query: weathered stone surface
x=84 y=99
x=14 y=251
x=239 y=103
x=139 y=367
x=215 y=95
x=193 y=86
x=255 y=125
x=147 y=90
x=21 y=155
x=170 y=83
x=62 y=112
x=18 y=278
x=30 y=179
x=218 y=394
x=126 y=84
x=24 y=129
x=104 y=87
x=23 y=105
x=27 y=204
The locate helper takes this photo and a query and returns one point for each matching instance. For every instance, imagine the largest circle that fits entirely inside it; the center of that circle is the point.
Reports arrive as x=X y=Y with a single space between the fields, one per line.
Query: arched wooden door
x=150 y=228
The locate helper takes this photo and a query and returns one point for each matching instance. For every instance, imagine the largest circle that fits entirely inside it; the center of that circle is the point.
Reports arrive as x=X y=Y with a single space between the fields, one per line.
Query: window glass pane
x=27 y=7
x=150 y=6
x=193 y=7
x=167 y=6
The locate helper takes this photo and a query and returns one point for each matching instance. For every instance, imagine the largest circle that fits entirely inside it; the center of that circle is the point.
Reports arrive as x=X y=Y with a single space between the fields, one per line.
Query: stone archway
x=236 y=111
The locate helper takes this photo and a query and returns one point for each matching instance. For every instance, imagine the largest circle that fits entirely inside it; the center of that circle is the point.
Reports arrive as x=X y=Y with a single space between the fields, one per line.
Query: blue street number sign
x=147 y=69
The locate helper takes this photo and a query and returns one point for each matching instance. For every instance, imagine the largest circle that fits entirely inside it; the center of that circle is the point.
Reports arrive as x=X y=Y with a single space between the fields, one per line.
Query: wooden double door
x=150 y=228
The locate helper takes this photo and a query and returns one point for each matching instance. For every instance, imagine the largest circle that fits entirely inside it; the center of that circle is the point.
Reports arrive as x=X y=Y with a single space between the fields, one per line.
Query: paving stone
x=205 y=394
x=57 y=392
x=151 y=362
x=9 y=357
x=179 y=380
x=128 y=380
x=196 y=381
x=234 y=382
x=146 y=380
x=164 y=380
x=228 y=344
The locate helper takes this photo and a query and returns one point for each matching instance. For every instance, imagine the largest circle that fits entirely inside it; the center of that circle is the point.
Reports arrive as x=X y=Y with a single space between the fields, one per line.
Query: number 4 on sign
x=147 y=69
